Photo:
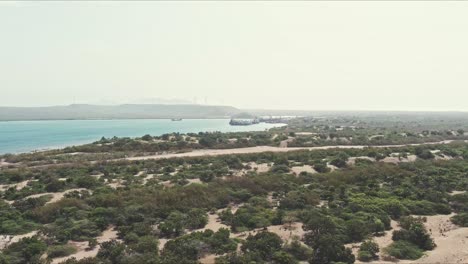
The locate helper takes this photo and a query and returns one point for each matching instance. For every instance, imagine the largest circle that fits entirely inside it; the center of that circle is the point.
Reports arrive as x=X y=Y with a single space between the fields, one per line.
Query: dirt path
x=260 y=149
x=55 y=196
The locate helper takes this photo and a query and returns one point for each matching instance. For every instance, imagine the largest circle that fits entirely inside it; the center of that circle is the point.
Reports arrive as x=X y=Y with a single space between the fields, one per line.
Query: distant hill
x=127 y=111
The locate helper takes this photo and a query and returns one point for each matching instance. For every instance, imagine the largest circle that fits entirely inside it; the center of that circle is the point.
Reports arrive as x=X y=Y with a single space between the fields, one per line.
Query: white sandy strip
x=106 y=235
x=18 y=186
x=260 y=149
x=6 y=240
x=306 y=168
x=55 y=196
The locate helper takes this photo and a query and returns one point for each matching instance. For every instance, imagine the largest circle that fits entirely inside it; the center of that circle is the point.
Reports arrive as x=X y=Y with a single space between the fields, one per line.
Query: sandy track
x=57 y=196
x=260 y=149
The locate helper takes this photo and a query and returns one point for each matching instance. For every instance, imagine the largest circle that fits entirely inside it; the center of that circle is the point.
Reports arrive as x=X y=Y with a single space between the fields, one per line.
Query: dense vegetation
x=168 y=203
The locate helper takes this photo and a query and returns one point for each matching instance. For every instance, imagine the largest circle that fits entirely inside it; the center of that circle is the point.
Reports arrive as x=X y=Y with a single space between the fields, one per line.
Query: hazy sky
x=392 y=55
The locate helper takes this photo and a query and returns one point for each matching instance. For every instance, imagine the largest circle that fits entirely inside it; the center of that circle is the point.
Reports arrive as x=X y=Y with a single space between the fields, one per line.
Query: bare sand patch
x=352 y=160
x=396 y=160
x=284 y=143
x=208 y=259
x=307 y=168
x=82 y=253
x=383 y=242
x=456 y=192
x=3 y=163
x=6 y=240
x=332 y=167
x=287 y=232
x=191 y=181
x=259 y=167
x=305 y=133
x=115 y=184
x=18 y=186
x=214 y=223
x=55 y=196
x=147 y=178
x=451 y=240
x=167 y=184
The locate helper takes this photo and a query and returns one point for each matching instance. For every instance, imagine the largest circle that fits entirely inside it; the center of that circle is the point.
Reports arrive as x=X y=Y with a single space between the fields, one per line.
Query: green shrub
x=60 y=251
x=368 y=251
x=460 y=219
x=404 y=250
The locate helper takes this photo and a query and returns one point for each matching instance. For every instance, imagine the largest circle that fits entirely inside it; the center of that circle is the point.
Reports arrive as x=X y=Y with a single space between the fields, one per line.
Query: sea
x=27 y=136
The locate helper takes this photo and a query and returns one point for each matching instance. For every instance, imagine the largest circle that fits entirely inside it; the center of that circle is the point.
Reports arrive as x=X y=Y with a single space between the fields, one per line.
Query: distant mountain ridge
x=126 y=111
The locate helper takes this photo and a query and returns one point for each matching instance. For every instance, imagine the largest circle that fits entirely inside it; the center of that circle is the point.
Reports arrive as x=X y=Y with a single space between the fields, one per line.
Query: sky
x=339 y=55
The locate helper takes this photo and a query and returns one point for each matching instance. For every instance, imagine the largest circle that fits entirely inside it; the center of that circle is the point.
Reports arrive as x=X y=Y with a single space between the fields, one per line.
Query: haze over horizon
x=250 y=55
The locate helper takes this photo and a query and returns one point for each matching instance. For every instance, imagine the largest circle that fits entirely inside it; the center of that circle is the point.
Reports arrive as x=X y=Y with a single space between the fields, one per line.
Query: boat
x=176 y=119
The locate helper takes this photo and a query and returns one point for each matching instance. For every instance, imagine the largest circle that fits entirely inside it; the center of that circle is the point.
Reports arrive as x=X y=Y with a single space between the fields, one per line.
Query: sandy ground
x=396 y=160
x=19 y=185
x=298 y=169
x=451 y=240
x=208 y=259
x=260 y=168
x=147 y=178
x=332 y=167
x=284 y=143
x=260 y=149
x=456 y=192
x=305 y=133
x=383 y=242
x=106 y=235
x=194 y=181
x=3 y=163
x=55 y=196
x=351 y=161
x=6 y=240
x=115 y=184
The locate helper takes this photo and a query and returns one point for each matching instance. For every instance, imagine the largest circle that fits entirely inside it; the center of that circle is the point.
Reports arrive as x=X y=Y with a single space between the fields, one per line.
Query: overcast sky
x=384 y=55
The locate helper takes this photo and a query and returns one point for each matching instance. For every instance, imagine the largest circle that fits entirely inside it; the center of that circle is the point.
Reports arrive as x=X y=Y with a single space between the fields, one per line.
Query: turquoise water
x=25 y=136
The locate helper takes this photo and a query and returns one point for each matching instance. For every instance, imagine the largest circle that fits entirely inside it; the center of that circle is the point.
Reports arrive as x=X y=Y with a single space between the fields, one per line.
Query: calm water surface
x=24 y=136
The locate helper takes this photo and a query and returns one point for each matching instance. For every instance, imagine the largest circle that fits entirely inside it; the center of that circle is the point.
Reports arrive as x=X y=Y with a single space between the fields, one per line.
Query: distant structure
x=244 y=119
x=243 y=122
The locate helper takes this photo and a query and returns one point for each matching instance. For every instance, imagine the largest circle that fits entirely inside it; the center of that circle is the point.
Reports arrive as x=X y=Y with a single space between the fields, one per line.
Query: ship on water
x=176 y=119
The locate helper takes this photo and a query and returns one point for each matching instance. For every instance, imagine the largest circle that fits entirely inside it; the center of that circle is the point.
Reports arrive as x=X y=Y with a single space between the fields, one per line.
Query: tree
x=282 y=257
x=111 y=250
x=329 y=249
x=318 y=225
x=414 y=231
x=265 y=244
x=368 y=251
